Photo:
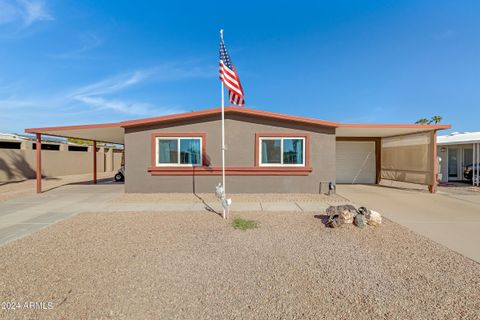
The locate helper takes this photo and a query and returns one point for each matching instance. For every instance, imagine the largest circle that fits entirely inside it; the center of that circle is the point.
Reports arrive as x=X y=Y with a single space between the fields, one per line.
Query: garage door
x=355 y=161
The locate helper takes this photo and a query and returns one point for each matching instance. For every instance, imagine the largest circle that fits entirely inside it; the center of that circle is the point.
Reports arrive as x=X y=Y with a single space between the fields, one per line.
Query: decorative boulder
x=346 y=216
x=334 y=222
x=374 y=218
x=360 y=221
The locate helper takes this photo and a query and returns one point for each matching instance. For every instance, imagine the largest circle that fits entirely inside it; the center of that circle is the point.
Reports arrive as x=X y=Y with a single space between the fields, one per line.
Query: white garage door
x=355 y=161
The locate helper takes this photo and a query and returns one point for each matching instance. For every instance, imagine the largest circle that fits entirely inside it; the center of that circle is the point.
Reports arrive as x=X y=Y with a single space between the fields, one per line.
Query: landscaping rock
x=334 y=222
x=374 y=218
x=346 y=216
x=360 y=221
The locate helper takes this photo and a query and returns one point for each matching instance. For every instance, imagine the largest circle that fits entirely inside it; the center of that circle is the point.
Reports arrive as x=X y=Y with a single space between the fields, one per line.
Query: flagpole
x=223 y=143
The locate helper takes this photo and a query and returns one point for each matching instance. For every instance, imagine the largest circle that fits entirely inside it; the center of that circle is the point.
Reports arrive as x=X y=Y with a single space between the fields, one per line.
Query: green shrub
x=242 y=224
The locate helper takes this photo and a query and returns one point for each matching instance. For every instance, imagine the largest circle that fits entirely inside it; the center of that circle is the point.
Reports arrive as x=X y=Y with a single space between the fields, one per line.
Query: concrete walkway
x=449 y=218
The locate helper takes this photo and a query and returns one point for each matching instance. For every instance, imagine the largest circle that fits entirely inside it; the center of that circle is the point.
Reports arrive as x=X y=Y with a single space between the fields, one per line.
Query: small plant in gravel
x=242 y=224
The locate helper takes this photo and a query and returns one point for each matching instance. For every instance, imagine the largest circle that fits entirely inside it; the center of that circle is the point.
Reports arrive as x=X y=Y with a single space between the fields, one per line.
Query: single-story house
x=457 y=153
x=266 y=152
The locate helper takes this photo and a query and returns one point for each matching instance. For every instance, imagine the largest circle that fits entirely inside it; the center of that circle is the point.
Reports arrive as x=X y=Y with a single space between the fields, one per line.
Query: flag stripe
x=222 y=65
x=231 y=86
x=229 y=76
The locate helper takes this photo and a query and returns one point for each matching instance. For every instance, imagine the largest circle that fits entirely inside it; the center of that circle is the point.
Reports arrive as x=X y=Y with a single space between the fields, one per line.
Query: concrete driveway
x=26 y=214
x=449 y=218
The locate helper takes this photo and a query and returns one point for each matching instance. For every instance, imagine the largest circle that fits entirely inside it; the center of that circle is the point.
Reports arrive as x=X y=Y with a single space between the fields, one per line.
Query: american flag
x=229 y=77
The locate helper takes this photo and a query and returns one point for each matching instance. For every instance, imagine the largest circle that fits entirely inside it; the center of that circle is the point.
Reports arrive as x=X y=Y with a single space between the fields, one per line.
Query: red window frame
x=305 y=136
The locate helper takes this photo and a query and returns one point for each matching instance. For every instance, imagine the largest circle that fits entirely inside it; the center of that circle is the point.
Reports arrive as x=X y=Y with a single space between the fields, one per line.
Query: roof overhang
x=384 y=130
x=459 y=138
x=115 y=132
x=106 y=132
x=228 y=110
x=446 y=143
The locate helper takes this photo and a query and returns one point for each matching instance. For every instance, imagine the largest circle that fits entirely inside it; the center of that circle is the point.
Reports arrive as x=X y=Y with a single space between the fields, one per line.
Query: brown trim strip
x=230 y=171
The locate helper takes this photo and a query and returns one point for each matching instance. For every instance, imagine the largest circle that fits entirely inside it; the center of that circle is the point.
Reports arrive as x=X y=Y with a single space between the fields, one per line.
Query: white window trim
x=178 y=152
x=281 y=164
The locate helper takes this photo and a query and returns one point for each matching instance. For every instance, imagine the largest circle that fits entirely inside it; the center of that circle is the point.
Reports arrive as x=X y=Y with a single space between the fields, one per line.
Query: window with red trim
x=282 y=150
x=178 y=149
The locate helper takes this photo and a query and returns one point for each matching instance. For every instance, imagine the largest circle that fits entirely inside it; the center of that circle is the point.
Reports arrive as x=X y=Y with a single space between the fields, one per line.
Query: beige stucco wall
x=240 y=142
x=408 y=158
x=17 y=165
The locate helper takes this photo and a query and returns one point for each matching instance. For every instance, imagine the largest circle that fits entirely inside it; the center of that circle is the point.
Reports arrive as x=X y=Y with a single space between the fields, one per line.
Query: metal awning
x=106 y=132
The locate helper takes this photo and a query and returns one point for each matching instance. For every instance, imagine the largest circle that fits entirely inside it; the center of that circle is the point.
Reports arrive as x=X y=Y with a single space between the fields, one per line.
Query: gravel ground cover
x=236 y=197
x=196 y=266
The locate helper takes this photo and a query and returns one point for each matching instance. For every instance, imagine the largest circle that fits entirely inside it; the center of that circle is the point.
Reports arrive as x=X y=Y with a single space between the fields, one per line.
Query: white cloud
x=103 y=100
x=128 y=107
x=94 y=95
x=33 y=11
x=113 y=84
x=25 y=11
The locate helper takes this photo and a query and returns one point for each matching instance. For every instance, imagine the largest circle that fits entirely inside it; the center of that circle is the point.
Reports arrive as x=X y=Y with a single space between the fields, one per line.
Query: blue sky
x=73 y=62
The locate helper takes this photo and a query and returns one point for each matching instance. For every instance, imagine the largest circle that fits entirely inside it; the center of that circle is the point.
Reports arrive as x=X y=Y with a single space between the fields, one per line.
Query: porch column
x=474 y=156
x=94 y=162
x=478 y=165
x=433 y=187
x=39 y=162
x=475 y=167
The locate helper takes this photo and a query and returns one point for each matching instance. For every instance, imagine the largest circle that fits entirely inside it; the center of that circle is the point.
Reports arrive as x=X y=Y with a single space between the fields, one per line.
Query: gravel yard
x=196 y=266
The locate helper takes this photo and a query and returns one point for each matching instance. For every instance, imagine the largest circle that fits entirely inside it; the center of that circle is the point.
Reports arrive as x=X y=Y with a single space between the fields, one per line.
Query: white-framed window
x=282 y=151
x=178 y=151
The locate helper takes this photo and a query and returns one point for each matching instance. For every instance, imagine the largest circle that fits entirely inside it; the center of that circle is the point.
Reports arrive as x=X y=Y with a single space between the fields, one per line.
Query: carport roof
x=114 y=132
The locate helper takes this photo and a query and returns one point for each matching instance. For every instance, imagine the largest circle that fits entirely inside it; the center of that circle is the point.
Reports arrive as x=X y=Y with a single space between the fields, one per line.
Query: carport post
x=94 y=162
x=433 y=187
x=38 y=147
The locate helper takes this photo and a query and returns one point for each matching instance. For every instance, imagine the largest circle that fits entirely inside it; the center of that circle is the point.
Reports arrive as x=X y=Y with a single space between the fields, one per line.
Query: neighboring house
x=266 y=152
x=17 y=157
x=457 y=152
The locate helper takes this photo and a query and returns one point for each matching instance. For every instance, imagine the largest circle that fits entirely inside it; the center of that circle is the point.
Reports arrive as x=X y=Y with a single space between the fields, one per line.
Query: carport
x=107 y=132
x=369 y=153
